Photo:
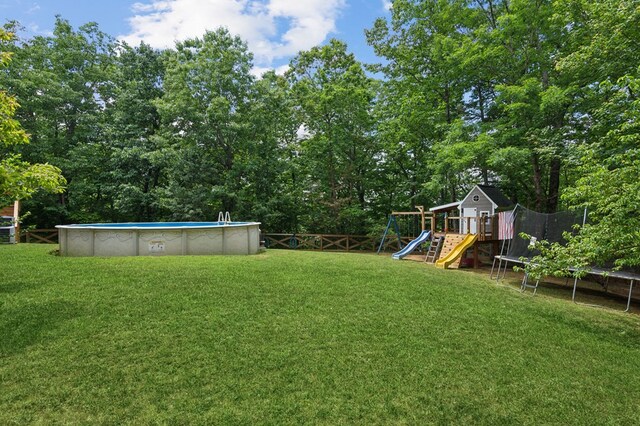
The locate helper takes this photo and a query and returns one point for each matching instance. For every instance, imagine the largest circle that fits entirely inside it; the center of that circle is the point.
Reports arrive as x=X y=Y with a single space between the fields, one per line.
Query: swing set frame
x=424 y=215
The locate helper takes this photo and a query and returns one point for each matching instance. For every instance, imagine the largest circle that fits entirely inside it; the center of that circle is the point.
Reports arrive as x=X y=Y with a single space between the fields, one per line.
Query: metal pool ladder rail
x=224 y=217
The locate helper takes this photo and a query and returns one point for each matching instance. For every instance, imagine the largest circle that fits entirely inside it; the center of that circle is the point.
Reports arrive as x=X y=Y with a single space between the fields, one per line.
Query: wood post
x=421 y=210
x=476 y=260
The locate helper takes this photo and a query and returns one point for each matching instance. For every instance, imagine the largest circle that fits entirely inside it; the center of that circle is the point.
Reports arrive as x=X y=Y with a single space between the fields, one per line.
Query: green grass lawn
x=299 y=337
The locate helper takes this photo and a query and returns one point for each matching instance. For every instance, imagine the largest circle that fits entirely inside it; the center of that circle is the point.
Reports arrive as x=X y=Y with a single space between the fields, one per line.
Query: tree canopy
x=539 y=98
x=19 y=179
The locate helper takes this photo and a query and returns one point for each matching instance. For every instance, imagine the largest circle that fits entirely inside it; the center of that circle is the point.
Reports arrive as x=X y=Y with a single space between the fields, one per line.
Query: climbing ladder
x=434 y=249
x=450 y=243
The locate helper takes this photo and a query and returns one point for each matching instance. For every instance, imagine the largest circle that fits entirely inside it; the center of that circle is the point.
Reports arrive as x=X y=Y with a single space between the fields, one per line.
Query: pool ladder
x=224 y=217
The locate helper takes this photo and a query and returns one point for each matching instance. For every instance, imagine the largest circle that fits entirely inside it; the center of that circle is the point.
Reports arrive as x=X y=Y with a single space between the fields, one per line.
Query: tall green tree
x=534 y=99
x=19 y=179
x=204 y=113
x=480 y=82
x=425 y=46
x=138 y=157
x=337 y=154
x=603 y=63
x=62 y=83
x=272 y=192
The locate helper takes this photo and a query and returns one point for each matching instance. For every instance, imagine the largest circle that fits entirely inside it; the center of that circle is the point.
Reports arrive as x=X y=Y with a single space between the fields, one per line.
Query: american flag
x=505 y=225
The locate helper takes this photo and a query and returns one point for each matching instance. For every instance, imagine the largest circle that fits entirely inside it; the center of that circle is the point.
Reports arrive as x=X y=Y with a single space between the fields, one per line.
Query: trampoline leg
x=498 y=271
x=629 y=299
x=523 y=284
x=504 y=272
x=493 y=265
x=575 y=285
x=536 y=287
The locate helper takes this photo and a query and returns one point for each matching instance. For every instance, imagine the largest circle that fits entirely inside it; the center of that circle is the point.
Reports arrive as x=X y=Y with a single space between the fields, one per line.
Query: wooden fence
x=45 y=236
x=319 y=242
x=329 y=242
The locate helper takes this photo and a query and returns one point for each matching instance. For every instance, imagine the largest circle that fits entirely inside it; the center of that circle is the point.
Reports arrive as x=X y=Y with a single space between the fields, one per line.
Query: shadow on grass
x=16 y=287
x=27 y=325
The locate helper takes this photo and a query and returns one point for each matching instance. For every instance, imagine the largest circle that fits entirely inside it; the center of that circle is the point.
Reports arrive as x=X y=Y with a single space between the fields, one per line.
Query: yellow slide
x=457 y=251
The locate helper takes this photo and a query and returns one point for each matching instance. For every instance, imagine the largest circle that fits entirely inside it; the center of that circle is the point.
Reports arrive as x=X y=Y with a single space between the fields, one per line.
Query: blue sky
x=274 y=29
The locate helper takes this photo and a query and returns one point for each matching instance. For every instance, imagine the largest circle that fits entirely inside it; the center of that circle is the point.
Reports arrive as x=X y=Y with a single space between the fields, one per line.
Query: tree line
x=537 y=97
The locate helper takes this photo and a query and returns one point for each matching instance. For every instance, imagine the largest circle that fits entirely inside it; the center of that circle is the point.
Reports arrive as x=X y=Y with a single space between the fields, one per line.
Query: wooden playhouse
x=475 y=215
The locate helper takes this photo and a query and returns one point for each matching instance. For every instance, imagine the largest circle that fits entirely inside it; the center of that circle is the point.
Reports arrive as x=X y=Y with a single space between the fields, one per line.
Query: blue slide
x=424 y=236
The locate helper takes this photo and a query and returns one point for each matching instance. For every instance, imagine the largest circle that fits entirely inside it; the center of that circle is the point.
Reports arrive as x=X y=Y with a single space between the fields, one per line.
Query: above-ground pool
x=159 y=238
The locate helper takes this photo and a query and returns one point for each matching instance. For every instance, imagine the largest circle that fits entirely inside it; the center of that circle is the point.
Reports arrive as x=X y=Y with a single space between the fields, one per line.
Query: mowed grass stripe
x=293 y=337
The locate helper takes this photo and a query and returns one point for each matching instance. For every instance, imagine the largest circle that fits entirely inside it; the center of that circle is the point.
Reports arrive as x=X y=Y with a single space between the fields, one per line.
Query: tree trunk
x=447 y=100
x=537 y=182
x=554 y=185
x=481 y=103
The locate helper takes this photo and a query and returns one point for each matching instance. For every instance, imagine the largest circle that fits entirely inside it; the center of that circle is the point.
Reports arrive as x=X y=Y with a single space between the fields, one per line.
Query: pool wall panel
x=114 y=243
x=79 y=242
x=207 y=241
x=122 y=240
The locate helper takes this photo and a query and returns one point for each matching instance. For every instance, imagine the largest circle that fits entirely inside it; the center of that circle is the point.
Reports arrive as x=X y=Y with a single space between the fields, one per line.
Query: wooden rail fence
x=45 y=236
x=329 y=242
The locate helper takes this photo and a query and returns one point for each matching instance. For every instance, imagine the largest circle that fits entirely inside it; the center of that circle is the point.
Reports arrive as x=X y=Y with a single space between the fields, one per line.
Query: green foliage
x=603 y=62
x=610 y=190
x=19 y=179
x=425 y=47
x=62 y=85
x=338 y=153
x=137 y=158
x=271 y=190
x=10 y=129
x=204 y=112
x=539 y=98
x=555 y=260
x=608 y=187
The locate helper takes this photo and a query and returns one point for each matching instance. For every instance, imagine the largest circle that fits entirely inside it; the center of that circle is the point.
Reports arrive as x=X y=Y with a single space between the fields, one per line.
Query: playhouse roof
x=445 y=207
x=491 y=192
x=495 y=195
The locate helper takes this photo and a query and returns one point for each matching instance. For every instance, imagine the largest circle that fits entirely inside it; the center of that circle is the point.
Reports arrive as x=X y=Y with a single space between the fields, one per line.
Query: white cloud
x=273 y=29
x=386 y=4
x=34 y=8
x=35 y=29
x=257 y=71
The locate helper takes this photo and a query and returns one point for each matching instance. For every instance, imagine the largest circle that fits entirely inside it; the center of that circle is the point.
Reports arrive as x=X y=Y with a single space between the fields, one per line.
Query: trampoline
x=549 y=227
x=539 y=226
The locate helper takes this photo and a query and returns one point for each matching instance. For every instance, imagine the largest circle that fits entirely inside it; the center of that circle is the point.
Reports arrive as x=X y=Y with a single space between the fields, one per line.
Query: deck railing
x=485 y=226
